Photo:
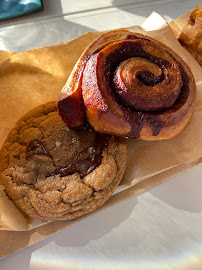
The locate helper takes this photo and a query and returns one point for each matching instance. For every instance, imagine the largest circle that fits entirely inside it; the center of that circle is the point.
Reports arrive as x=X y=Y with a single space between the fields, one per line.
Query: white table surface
x=158 y=229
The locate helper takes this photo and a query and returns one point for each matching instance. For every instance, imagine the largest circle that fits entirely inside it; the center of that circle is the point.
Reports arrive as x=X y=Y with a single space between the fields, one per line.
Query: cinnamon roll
x=129 y=85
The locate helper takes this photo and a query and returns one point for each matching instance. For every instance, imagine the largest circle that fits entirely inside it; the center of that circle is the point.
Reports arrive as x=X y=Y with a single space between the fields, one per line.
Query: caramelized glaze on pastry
x=130 y=85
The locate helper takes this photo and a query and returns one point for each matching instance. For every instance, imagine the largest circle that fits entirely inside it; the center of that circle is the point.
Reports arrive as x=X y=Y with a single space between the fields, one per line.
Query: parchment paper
x=34 y=77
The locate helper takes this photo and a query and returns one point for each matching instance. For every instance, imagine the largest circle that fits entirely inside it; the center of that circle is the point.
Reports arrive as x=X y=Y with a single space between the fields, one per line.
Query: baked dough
x=55 y=173
x=129 y=85
x=191 y=35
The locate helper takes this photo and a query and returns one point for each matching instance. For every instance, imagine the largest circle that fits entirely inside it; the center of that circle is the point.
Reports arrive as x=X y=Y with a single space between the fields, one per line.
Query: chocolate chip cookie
x=53 y=172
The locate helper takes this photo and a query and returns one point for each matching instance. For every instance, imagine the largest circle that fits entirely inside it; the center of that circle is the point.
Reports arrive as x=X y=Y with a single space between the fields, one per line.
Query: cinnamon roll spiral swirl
x=130 y=85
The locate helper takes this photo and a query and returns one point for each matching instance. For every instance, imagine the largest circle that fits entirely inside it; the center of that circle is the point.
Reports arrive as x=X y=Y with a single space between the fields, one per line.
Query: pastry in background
x=191 y=35
x=55 y=173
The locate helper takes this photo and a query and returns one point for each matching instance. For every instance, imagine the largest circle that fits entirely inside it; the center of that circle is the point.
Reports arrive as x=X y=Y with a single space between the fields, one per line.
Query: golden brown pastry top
x=191 y=35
